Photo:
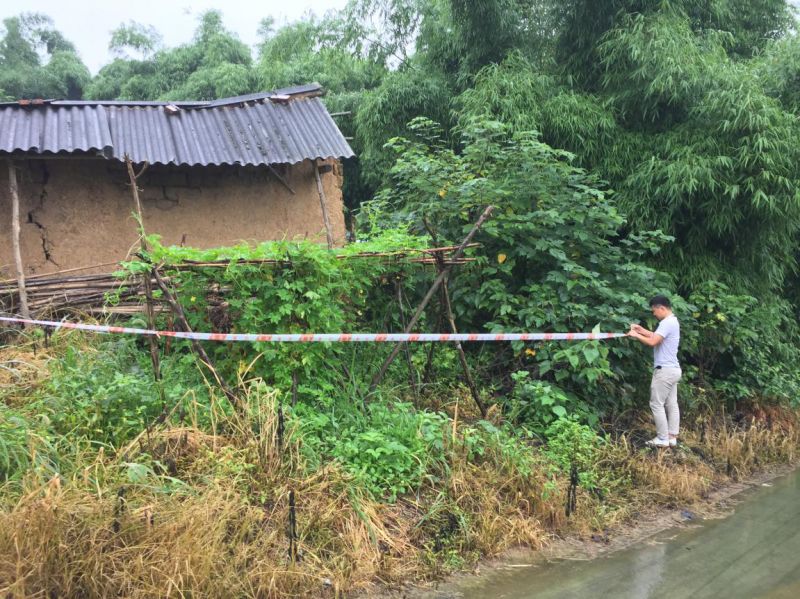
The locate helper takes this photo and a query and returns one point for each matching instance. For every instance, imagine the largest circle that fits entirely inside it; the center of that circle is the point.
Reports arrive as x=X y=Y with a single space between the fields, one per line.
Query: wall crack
x=47 y=245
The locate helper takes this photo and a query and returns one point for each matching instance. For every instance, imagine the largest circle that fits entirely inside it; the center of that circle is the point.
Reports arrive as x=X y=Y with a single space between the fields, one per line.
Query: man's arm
x=647 y=338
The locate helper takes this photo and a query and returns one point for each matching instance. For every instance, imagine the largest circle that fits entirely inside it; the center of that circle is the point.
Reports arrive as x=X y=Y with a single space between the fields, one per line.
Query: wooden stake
x=292 y=528
x=428 y=370
x=12 y=186
x=436 y=283
x=324 y=205
x=151 y=324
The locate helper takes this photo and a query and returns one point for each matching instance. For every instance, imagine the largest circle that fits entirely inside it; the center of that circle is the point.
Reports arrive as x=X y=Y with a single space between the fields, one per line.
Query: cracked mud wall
x=78 y=212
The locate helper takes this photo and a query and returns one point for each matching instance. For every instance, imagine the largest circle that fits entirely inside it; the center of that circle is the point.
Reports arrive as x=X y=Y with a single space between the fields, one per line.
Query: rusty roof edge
x=243 y=163
x=302 y=91
x=107 y=154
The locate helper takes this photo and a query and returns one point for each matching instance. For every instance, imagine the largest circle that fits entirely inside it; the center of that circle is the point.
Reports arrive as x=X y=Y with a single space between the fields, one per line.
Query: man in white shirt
x=667 y=370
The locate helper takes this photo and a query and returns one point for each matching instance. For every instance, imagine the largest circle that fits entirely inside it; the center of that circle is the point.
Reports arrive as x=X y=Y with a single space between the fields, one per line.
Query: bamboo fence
x=107 y=293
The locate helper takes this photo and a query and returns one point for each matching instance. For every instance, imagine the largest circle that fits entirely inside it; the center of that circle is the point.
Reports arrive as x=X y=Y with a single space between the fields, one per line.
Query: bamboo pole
x=13 y=189
x=462 y=357
x=175 y=305
x=283 y=181
x=146 y=279
x=323 y=205
x=28 y=280
x=135 y=190
x=436 y=283
x=447 y=309
x=412 y=382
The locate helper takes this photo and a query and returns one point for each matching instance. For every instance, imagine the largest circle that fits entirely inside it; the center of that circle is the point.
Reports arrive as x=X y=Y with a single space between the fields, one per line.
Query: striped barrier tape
x=320 y=337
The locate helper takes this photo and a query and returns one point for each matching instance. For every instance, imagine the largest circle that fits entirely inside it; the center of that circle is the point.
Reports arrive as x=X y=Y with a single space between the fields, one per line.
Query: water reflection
x=647 y=571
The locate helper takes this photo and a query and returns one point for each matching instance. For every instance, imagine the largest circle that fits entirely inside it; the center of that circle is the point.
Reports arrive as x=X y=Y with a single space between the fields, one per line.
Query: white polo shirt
x=665 y=354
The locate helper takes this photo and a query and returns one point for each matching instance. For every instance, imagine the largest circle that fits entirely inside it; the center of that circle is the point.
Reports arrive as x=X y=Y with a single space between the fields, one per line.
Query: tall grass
x=199 y=502
x=191 y=512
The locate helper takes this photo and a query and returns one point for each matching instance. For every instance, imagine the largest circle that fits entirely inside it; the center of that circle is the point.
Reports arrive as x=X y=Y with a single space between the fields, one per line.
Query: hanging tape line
x=321 y=337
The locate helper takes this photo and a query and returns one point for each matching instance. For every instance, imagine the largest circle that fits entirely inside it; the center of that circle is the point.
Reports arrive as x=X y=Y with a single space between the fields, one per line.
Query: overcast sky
x=88 y=23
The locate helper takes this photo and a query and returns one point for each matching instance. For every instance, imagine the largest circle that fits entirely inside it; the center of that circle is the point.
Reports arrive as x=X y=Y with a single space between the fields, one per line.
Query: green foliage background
x=630 y=147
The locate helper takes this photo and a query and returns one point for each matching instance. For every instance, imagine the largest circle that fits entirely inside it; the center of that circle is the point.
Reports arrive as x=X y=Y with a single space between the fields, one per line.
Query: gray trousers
x=664 y=401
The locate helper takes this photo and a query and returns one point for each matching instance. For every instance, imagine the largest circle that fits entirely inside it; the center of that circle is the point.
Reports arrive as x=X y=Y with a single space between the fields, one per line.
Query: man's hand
x=646 y=337
x=636 y=328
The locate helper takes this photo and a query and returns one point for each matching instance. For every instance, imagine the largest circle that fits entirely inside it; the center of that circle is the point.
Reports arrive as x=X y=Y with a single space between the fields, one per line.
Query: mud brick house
x=249 y=168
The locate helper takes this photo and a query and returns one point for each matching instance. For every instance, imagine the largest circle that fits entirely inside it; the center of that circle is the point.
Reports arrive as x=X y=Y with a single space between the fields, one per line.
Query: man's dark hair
x=660 y=300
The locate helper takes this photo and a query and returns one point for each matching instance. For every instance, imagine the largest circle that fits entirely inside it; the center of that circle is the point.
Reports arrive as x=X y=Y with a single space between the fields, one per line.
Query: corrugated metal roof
x=246 y=130
x=55 y=129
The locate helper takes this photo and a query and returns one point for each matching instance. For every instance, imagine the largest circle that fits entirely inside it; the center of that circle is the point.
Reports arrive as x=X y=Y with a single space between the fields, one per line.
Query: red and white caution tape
x=320 y=337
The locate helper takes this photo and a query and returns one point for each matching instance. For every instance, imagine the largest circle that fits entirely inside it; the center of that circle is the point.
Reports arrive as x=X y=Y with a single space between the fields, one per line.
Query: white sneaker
x=658 y=442
x=673 y=442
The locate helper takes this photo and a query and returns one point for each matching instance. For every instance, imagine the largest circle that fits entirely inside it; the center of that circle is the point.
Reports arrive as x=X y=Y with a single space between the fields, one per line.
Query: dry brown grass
x=740 y=450
x=62 y=540
x=99 y=535
x=78 y=539
x=225 y=533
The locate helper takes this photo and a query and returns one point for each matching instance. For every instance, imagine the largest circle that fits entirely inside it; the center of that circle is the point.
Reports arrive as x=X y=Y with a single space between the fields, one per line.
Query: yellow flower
x=530 y=352
x=501 y=258
x=721 y=317
x=696 y=314
x=193 y=299
x=442 y=192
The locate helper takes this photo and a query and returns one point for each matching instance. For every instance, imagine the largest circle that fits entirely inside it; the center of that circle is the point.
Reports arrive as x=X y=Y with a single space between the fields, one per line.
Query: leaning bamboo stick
x=177 y=310
x=418 y=313
x=146 y=282
x=323 y=202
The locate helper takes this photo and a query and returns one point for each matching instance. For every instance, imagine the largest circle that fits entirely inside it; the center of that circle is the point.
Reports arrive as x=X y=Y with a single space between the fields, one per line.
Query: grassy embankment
x=200 y=503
